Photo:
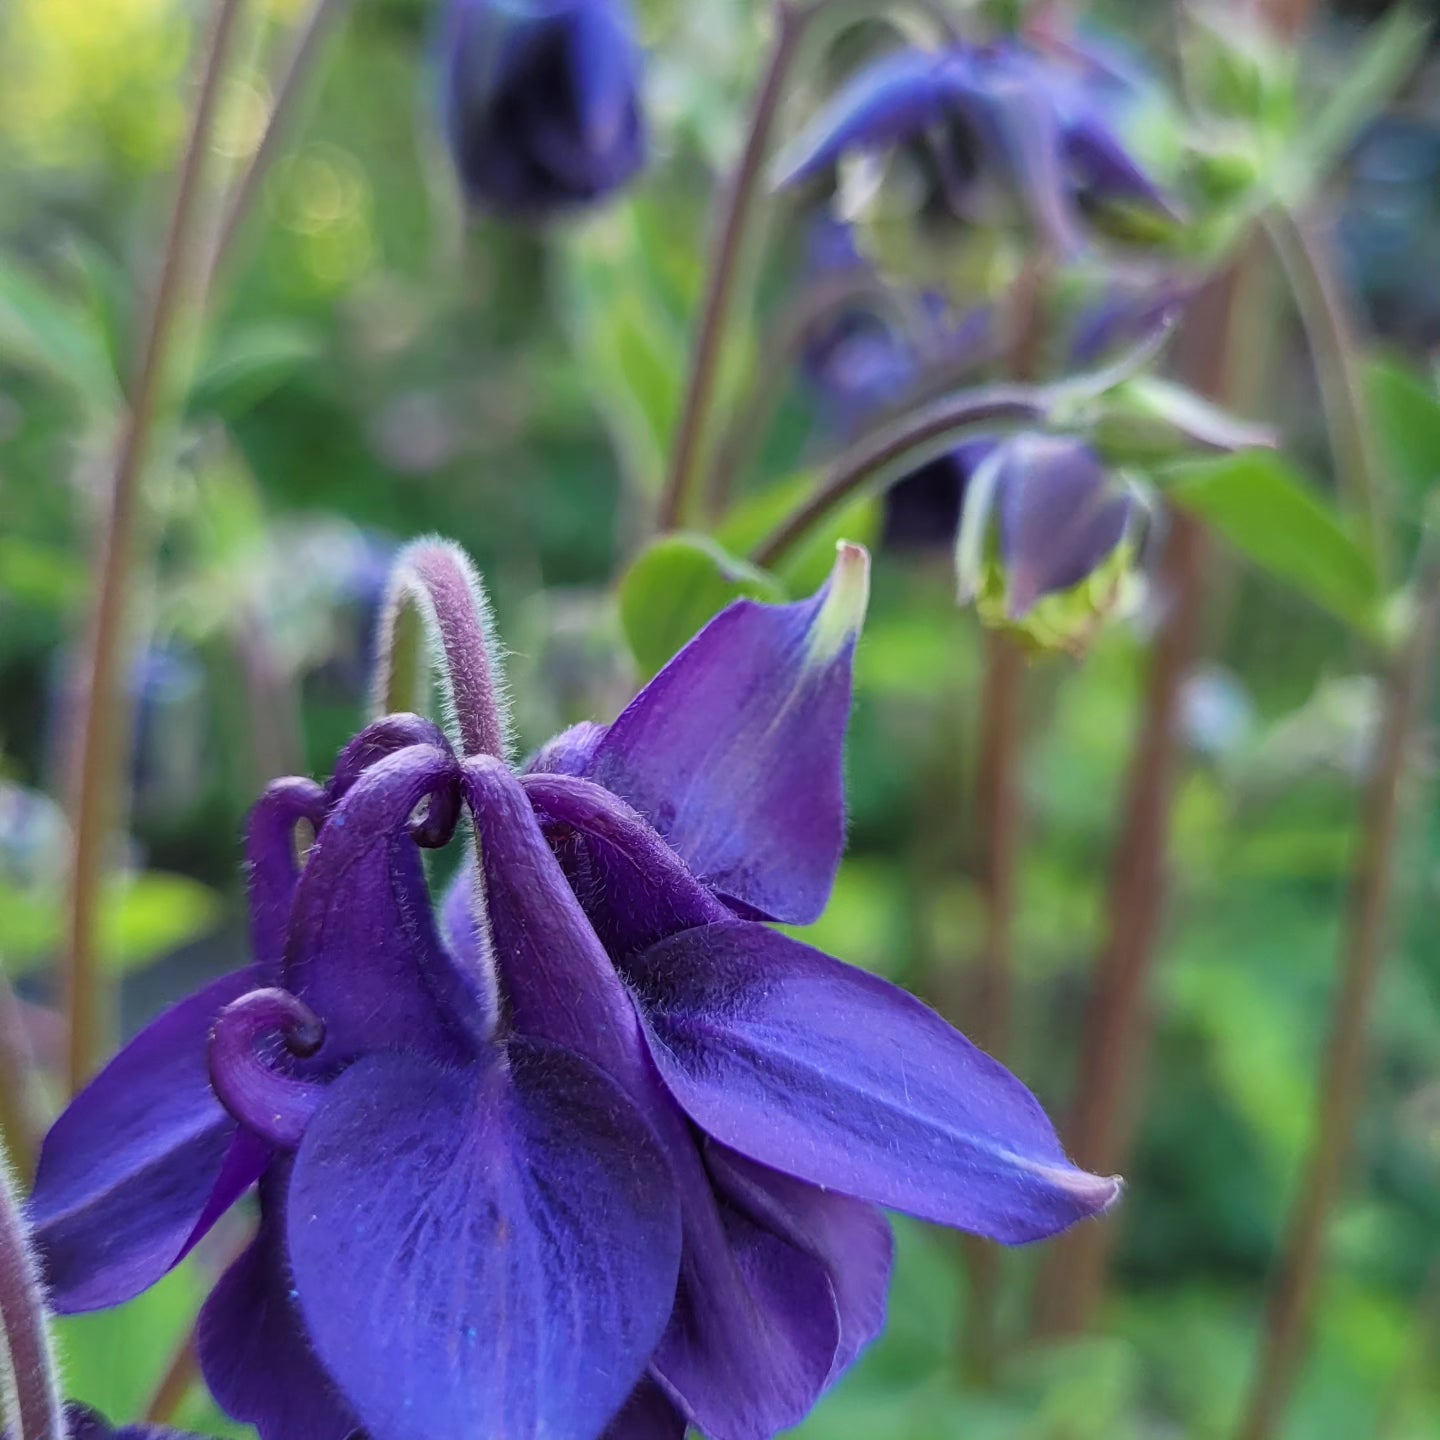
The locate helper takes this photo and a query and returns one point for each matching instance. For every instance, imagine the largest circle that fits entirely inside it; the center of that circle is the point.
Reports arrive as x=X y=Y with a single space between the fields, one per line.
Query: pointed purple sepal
x=143 y=1162
x=838 y=1078
x=734 y=752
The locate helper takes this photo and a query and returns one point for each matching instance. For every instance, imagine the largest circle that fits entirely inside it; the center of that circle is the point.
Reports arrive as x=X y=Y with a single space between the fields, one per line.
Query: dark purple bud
x=252 y=1041
x=540 y=101
x=29 y=1393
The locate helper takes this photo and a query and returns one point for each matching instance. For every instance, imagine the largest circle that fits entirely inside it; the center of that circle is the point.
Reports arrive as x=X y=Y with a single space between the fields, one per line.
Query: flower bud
x=541 y=101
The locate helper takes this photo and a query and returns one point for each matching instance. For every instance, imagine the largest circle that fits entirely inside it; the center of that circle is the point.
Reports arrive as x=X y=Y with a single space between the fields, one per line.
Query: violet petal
x=835 y=1076
x=516 y=1257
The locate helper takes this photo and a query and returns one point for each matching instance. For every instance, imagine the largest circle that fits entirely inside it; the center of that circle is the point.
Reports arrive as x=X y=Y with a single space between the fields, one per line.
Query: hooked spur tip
x=1096 y=1192
x=847 y=597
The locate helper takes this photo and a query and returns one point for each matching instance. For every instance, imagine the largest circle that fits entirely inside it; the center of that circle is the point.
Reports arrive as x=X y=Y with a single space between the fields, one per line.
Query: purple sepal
x=142 y=1162
x=649 y=1414
x=836 y=1077
x=734 y=752
x=523 y=1204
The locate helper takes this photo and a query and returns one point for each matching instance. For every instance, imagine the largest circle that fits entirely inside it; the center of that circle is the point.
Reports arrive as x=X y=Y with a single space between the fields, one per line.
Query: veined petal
x=734 y=752
x=254 y=1350
x=517 y=1257
x=850 y=1238
x=834 y=1076
x=143 y=1161
x=363 y=951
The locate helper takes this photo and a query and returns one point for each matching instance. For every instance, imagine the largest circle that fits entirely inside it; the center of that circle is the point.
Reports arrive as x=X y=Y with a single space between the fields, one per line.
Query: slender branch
x=1325 y=313
x=290 y=91
x=30 y=1402
x=1292 y=1296
x=999 y=810
x=98 y=745
x=180 y=1374
x=736 y=221
x=902 y=445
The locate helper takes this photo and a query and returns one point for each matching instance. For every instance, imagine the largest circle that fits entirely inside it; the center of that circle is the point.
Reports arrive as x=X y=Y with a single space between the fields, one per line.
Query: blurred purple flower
x=593 y=1151
x=540 y=101
x=83 y=1423
x=1036 y=126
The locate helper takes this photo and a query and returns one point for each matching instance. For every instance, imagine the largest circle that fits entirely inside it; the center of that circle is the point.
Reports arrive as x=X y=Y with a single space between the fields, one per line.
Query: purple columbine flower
x=83 y=1423
x=540 y=101
x=980 y=122
x=591 y=1152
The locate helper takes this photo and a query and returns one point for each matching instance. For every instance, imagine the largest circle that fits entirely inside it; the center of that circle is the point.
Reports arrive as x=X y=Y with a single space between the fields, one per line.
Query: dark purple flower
x=591 y=1152
x=541 y=102
x=83 y=1423
x=978 y=121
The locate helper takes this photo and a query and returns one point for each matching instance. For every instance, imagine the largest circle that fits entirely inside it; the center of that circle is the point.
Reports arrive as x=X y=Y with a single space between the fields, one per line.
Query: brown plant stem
x=906 y=442
x=1292 y=1297
x=180 y=1374
x=998 y=803
x=99 y=742
x=736 y=216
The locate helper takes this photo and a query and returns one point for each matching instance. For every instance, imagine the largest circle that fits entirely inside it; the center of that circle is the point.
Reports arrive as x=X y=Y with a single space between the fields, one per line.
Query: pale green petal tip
x=847 y=596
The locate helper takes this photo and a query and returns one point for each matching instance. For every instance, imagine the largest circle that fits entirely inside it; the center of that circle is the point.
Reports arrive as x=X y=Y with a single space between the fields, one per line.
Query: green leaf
x=1389 y=52
x=144 y=917
x=1407 y=423
x=250 y=363
x=1260 y=504
x=675 y=587
x=43 y=331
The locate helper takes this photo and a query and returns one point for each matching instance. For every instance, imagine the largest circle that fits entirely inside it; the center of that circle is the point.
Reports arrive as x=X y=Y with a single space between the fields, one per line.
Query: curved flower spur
x=597 y=1152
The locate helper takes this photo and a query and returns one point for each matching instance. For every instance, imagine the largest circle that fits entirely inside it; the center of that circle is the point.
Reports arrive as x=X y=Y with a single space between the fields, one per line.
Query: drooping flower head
x=540 y=101
x=982 y=136
x=588 y=1150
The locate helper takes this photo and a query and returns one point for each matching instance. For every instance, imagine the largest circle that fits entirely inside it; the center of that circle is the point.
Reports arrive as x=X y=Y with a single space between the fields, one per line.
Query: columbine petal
x=363 y=952
x=1061 y=517
x=515 y=1256
x=735 y=751
x=634 y=888
x=835 y=1076
x=253 y=1347
x=883 y=105
x=649 y=1414
x=270 y=854
x=754 y=1330
x=850 y=1238
x=142 y=1163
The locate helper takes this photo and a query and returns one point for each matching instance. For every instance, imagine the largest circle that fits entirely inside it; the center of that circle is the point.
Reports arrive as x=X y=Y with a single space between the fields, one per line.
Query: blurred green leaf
x=41 y=330
x=678 y=585
x=1260 y=504
x=145 y=916
x=250 y=363
x=1407 y=423
x=40 y=575
x=1374 y=70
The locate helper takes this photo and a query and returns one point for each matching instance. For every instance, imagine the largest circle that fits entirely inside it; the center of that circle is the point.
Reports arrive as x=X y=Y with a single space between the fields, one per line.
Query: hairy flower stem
x=737 y=217
x=30 y=1401
x=100 y=740
x=290 y=92
x=894 y=449
x=1292 y=1295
